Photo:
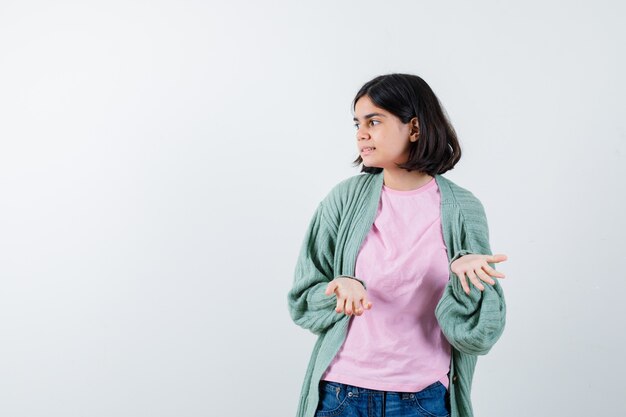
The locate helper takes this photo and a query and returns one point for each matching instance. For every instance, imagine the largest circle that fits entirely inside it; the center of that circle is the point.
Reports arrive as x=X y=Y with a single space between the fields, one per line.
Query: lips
x=367 y=150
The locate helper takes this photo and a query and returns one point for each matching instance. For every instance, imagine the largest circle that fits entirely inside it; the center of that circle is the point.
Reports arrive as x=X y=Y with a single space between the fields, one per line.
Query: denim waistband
x=426 y=392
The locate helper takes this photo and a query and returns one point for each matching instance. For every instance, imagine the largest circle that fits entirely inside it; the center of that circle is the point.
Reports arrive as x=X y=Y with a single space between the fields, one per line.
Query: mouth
x=367 y=151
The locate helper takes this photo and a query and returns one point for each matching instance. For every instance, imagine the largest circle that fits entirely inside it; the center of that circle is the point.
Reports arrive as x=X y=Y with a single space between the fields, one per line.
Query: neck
x=402 y=180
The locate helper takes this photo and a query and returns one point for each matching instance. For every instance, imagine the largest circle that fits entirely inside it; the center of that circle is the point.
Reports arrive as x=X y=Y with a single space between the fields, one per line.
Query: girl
x=383 y=276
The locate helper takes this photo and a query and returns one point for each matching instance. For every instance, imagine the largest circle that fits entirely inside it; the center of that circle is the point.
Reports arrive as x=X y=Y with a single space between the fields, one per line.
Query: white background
x=160 y=161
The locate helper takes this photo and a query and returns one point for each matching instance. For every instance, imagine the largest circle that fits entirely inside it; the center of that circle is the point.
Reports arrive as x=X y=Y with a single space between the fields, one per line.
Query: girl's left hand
x=473 y=265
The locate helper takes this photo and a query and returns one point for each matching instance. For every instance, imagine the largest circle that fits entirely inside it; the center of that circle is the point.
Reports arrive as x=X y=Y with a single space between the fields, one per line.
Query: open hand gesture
x=476 y=266
x=351 y=296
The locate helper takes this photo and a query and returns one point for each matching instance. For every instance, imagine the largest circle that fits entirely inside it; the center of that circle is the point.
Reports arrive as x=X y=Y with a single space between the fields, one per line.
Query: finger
x=349 y=306
x=353 y=306
x=358 y=307
x=464 y=282
x=500 y=257
x=367 y=304
x=483 y=276
x=340 y=302
x=493 y=272
x=362 y=302
x=475 y=281
x=330 y=288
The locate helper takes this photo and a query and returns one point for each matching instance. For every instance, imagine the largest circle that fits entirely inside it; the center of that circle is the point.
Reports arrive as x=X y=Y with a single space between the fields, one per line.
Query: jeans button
x=412 y=395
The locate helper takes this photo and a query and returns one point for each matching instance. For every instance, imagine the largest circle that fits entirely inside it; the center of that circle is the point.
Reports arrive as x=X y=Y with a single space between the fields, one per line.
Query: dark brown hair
x=437 y=149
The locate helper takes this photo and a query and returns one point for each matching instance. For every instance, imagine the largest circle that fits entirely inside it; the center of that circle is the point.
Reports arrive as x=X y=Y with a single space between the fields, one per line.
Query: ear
x=415 y=129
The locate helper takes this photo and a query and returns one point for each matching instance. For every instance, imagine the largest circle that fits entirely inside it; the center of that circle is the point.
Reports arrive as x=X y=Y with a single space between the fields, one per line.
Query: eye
x=356 y=125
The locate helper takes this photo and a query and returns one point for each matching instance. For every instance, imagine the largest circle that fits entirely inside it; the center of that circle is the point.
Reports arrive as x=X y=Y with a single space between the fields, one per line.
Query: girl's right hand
x=351 y=295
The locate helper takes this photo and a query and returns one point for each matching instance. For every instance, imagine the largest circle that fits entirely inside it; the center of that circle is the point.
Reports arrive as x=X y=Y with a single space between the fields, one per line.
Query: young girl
x=383 y=277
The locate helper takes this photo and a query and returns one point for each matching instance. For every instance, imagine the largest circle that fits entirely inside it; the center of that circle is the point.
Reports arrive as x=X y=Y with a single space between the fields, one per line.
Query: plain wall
x=160 y=161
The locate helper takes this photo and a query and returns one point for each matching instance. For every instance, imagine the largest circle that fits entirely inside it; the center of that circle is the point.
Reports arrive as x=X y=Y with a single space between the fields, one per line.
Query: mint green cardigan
x=471 y=323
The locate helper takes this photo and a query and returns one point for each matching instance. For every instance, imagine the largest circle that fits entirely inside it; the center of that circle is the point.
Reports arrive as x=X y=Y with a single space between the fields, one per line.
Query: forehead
x=364 y=108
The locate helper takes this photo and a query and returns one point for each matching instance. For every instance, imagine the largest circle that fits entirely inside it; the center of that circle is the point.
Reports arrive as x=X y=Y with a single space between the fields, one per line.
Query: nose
x=362 y=134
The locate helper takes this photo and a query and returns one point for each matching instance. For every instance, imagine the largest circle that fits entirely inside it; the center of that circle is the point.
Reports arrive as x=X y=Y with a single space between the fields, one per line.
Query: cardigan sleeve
x=309 y=306
x=472 y=322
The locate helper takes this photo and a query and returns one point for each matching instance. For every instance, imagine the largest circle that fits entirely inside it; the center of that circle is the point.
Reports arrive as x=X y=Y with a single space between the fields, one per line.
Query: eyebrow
x=369 y=116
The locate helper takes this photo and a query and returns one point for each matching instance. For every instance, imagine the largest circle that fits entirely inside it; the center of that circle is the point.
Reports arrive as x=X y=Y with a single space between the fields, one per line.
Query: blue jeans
x=337 y=399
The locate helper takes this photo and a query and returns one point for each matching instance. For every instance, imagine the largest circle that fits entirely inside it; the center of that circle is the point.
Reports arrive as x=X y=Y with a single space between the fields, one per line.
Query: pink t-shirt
x=398 y=345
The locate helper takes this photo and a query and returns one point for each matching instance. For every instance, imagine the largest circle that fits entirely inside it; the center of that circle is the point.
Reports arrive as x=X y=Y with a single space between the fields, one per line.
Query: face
x=379 y=129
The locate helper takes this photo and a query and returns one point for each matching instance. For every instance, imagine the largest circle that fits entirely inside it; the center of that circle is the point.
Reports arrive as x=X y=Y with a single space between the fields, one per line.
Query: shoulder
x=348 y=187
x=346 y=192
x=350 y=184
x=453 y=193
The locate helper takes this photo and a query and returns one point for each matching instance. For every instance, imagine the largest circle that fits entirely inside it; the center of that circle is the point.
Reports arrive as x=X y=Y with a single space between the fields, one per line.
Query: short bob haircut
x=437 y=148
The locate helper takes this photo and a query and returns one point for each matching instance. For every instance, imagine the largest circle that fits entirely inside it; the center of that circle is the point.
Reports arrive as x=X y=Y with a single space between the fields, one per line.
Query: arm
x=472 y=323
x=309 y=307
